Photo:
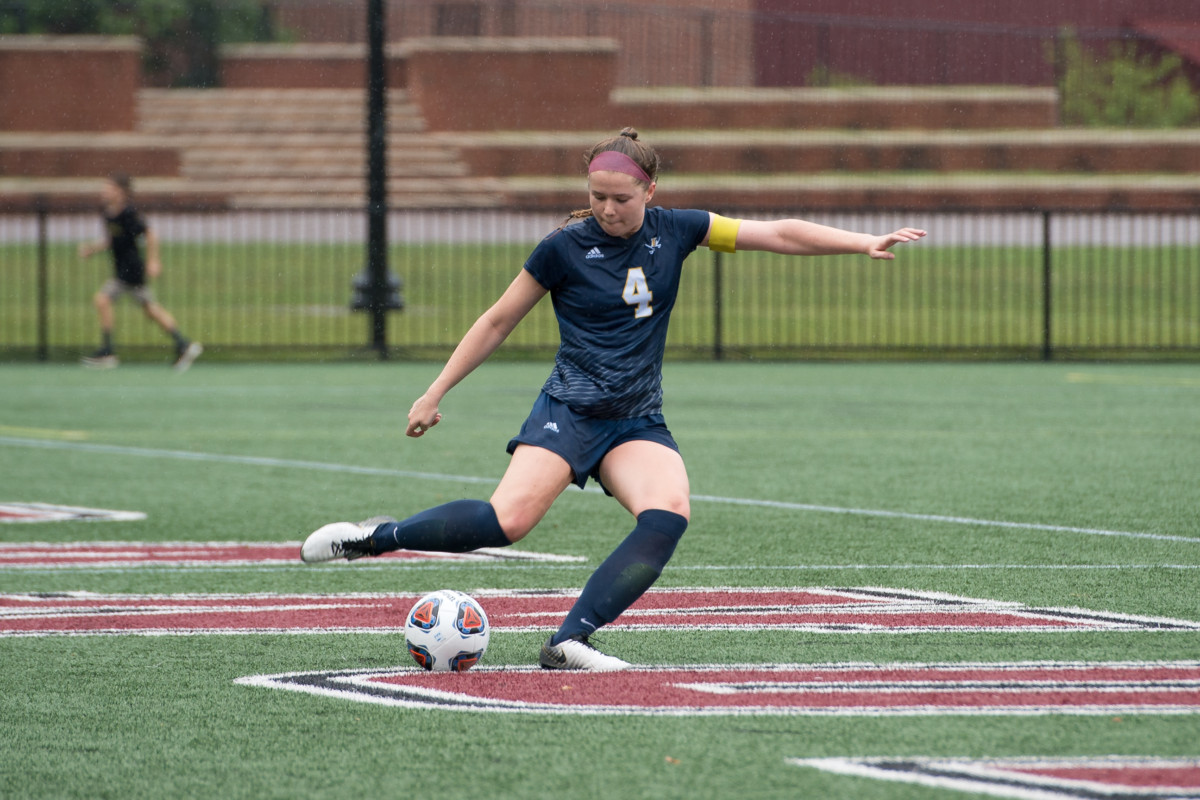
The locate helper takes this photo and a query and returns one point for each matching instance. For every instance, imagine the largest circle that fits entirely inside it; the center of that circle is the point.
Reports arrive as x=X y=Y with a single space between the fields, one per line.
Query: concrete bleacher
x=297 y=147
x=743 y=148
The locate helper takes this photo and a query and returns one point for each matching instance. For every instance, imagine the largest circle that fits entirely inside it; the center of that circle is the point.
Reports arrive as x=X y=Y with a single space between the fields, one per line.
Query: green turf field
x=1062 y=485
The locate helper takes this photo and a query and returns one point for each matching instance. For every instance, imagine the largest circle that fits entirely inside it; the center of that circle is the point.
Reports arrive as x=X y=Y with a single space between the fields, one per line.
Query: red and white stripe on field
x=110 y=555
x=1144 y=777
x=806 y=609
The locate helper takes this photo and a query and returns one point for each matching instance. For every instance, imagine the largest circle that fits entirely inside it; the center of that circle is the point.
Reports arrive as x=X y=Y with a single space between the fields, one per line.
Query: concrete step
x=169 y=112
x=269 y=125
x=793 y=193
x=305 y=148
x=170 y=101
x=704 y=152
x=857 y=108
x=341 y=153
x=82 y=194
x=315 y=170
x=804 y=192
x=49 y=155
x=288 y=143
x=210 y=141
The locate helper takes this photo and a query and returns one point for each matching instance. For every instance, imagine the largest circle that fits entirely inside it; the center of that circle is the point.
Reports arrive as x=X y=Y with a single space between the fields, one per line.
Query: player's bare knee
x=676 y=505
x=682 y=507
x=515 y=524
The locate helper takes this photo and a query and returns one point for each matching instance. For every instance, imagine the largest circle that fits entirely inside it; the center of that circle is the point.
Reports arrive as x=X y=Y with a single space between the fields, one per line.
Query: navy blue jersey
x=613 y=298
x=124 y=230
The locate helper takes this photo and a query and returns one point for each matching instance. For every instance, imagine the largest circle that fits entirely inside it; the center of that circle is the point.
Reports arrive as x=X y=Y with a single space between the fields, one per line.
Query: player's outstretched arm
x=488 y=333
x=802 y=238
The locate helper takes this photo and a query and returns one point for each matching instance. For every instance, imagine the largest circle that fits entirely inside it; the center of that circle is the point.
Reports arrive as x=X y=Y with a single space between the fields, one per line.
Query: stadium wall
x=662 y=43
x=302 y=66
x=918 y=42
x=779 y=42
x=69 y=83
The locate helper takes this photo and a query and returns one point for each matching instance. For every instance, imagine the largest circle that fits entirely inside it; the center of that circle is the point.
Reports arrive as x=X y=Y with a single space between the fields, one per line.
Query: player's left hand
x=880 y=247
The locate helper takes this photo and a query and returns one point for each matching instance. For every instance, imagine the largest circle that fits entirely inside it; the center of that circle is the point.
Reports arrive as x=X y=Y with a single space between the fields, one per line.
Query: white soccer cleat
x=336 y=540
x=578 y=653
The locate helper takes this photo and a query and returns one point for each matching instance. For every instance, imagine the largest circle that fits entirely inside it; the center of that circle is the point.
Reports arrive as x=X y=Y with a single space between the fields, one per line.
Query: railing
x=279 y=284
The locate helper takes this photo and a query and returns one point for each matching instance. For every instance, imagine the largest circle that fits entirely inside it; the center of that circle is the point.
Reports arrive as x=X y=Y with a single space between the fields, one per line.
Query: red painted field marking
x=1032 y=688
x=811 y=609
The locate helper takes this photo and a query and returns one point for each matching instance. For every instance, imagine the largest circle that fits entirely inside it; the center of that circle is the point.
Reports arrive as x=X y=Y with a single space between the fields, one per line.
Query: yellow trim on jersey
x=722 y=234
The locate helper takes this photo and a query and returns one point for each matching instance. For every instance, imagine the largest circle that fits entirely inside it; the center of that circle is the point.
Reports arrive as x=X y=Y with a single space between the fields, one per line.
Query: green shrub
x=182 y=36
x=824 y=76
x=1129 y=88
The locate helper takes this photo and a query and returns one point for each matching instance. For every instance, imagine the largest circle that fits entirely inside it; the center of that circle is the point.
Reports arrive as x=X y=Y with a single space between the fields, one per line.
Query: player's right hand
x=422 y=416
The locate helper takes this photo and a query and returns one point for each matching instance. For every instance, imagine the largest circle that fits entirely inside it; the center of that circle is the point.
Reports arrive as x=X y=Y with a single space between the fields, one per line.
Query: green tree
x=182 y=36
x=1128 y=88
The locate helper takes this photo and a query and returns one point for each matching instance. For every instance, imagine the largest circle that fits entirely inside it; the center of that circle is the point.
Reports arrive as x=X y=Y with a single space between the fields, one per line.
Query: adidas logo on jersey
x=594 y=253
x=551 y=426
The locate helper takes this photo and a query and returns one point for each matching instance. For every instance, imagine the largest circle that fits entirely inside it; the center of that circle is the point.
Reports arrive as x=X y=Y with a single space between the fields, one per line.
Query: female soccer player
x=612 y=276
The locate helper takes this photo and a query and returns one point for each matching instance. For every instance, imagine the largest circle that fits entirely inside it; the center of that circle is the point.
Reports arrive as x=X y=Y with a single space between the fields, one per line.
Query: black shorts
x=584 y=441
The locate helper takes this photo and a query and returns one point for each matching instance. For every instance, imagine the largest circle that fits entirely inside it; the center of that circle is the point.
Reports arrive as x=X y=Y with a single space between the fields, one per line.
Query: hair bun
x=630 y=132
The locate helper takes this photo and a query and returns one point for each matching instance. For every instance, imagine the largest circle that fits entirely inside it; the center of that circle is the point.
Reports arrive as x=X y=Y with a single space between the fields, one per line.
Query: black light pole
x=376 y=290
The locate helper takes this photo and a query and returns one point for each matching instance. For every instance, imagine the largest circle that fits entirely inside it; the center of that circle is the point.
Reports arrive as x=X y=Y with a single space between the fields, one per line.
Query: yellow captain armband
x=722 y=234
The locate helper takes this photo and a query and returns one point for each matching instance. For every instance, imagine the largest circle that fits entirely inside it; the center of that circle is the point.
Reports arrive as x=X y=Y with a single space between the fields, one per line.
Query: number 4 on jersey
x=637 y=293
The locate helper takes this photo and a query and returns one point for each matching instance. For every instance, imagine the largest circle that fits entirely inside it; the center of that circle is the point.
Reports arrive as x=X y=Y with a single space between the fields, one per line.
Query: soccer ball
x=447 y=631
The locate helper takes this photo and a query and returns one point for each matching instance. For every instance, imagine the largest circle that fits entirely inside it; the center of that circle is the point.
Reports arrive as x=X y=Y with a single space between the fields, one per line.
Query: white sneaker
x=187 y=356
x=101 y=360
x=337 y=540
x=578 y=653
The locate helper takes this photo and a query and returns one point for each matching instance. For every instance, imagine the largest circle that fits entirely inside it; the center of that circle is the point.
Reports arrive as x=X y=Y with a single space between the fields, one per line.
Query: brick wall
x=474 y=83
x=69 y=83
x=661 y=42
x=303 y=66
x=915 y=42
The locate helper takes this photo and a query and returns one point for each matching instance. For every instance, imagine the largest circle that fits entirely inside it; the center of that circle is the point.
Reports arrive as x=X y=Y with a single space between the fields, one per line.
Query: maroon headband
x=614 y=161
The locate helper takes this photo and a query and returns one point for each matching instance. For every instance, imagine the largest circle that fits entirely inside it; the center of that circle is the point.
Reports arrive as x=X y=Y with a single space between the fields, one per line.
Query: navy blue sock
x=626 y=574
x=456 y=527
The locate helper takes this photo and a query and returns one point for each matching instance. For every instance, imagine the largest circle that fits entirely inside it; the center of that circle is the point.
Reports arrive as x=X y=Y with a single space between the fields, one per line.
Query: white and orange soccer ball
x=447 y=631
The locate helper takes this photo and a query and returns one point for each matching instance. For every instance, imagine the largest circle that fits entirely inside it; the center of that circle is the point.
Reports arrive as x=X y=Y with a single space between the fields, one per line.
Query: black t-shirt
x=124 y=230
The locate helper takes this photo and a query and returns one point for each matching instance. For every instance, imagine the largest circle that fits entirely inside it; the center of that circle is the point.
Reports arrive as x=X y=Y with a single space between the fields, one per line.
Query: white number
x=637 y=293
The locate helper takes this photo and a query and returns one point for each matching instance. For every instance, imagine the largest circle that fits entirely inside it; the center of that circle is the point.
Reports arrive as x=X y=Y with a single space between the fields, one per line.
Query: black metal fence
x=279 y=284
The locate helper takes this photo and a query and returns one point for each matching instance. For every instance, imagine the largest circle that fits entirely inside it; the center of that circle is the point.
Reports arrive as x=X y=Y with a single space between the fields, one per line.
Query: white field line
x=261 y=461
x=541 y=566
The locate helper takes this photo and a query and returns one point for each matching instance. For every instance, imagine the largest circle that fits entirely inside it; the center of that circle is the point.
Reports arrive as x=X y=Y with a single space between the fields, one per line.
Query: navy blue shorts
x=584 y=441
